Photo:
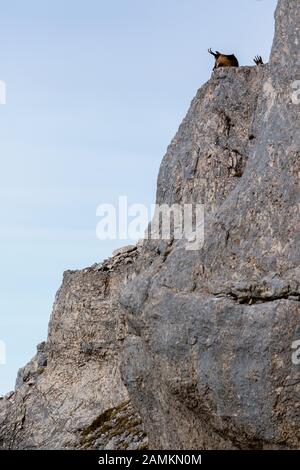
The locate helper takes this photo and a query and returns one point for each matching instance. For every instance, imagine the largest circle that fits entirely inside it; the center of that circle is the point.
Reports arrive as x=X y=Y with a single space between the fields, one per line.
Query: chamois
x=223 y=60
x=258 y=60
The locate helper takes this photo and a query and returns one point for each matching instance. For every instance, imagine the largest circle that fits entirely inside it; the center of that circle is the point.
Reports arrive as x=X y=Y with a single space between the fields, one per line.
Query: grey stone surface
x=208 y=362
x=192 y=348
x=71 y=394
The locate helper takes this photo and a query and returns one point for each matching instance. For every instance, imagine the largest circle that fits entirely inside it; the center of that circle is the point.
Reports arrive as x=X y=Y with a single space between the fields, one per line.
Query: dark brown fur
x=223 y=60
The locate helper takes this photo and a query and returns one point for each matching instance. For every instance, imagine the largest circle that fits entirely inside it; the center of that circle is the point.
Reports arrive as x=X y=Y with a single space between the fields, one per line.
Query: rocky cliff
x=71 y=394
x=168 y=348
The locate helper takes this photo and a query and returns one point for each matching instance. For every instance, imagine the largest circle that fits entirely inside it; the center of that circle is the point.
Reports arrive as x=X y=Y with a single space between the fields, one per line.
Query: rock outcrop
x=172 y=348
x=71 y=394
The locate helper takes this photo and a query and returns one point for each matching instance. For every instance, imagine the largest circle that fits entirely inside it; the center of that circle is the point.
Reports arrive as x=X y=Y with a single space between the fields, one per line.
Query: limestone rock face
x=71 y=394
x=209 y=358
x=172 y=348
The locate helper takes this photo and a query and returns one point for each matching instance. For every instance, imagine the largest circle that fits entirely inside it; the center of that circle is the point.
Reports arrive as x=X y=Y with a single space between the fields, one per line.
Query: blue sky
x=95 y=91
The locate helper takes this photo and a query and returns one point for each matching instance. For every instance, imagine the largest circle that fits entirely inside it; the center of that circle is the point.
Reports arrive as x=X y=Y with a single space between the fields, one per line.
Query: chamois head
x=215 y=54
